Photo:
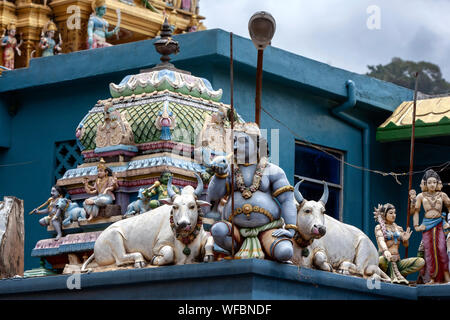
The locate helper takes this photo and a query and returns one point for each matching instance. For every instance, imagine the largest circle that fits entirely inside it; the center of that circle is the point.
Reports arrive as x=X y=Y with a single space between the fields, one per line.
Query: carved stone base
x=93 y=267
x=98 y=223
x=110 y=210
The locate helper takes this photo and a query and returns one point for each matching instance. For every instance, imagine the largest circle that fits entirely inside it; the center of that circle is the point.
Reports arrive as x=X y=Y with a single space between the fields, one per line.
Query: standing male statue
x=263 y=197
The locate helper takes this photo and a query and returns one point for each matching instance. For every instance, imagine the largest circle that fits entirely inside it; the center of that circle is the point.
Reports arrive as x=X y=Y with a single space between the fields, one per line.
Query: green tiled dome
x=141 y=115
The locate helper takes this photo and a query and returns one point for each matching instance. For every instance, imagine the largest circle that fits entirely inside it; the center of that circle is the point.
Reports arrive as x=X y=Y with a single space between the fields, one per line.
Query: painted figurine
x=114 y=130
x=47 y=44
x=143 y=202
x=263 y=200
x=55 y=208
x=98 y=27
x=9 y=44
x=159 y=189
x=103 y=187
x=389 y=235
x=166 y=121
x=433 y=226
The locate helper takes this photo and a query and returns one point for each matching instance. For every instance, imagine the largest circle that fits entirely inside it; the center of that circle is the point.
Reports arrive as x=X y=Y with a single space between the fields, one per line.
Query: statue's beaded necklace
x=187 y=239
x=433 y=199
x=247 y=192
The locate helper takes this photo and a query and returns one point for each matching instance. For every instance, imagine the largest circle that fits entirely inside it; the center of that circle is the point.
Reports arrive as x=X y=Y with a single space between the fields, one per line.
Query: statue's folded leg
x=221 y=232
x=410 y=265
x=280 y=249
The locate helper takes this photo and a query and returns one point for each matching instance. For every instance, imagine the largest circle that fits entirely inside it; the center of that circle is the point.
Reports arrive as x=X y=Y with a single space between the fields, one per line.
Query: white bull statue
x=172 y=233
x=325 y=243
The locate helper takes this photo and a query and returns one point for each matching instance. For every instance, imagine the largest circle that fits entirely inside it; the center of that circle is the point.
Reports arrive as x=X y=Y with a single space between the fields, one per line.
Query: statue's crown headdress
x=97 y=3
x=12 y=26
x=50 y=26
x=101 y=164
x=381 y=210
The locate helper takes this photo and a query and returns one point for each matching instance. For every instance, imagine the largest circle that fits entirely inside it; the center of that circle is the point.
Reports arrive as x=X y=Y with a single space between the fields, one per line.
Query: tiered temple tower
x=156 y=121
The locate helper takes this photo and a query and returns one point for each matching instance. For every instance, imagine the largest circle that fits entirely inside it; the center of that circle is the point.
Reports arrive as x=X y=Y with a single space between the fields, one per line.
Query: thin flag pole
x=232 y=141
x=411 y=157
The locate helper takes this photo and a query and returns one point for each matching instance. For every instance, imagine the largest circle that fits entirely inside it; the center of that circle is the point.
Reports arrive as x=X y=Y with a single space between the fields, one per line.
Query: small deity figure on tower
x=166 y=121
x=433 y=225
x=389 y=235
x=9 y=44
x=159 y=189
x=98 y=26
x=103 y=187
x=114 y=129
x=56 y=205
x=47 y=44
x=216 y=133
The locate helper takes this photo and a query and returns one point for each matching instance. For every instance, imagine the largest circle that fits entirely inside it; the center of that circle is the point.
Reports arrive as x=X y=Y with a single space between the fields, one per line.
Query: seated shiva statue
x=389 y=235
x=103 y=187
x=98 y=27
x=263 y=200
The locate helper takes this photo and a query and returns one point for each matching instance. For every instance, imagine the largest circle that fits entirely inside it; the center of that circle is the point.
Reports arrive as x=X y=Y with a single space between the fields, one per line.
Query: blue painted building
x=308 y=102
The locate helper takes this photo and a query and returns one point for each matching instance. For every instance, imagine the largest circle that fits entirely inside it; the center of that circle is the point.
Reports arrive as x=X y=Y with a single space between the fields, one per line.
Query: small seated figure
x=103 y=187
x=47 y=43
x=159 y=189
x=98 y=27
x=389 y=235
x=55 y=208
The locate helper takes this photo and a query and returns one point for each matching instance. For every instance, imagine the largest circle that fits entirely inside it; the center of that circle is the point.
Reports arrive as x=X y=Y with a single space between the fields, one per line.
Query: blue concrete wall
x=54 y=94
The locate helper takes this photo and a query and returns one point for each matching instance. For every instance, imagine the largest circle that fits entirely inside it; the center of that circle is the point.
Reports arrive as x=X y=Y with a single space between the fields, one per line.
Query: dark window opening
x=314 y=166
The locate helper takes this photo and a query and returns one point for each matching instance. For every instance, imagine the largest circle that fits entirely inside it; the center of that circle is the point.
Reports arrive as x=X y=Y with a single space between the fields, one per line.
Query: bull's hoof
x=344 y=272
x=208 y=258
x=139 y=264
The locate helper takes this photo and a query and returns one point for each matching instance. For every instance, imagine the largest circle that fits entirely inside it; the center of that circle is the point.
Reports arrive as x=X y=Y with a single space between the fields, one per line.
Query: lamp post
x=261 y=27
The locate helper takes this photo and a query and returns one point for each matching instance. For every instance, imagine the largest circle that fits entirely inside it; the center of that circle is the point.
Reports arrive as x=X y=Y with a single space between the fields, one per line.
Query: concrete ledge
x=238 y=279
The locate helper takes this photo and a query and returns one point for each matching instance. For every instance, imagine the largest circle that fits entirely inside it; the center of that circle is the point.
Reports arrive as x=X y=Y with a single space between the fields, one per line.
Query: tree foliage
x=401 y=72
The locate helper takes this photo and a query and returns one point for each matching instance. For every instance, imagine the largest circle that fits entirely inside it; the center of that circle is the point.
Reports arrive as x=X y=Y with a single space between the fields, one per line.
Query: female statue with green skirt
x=389 y=235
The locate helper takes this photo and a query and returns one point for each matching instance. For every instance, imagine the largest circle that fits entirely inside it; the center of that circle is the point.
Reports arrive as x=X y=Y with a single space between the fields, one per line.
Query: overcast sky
x=336 y=31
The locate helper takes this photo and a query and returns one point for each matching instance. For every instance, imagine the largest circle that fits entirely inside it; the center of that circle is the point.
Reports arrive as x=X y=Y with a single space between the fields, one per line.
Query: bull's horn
x=324 y=198
x=170 y=191
x=198 y=191
x=298 y=196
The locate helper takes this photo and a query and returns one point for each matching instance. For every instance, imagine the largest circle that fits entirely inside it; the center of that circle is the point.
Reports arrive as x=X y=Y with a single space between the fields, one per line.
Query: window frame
x=340 y=186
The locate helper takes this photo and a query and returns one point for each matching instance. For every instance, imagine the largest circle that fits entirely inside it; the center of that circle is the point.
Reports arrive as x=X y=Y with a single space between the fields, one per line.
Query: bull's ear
x=166 y=201
x=202 y=203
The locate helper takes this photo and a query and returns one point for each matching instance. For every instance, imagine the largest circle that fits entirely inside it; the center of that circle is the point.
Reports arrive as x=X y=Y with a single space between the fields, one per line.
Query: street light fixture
x=261 y=27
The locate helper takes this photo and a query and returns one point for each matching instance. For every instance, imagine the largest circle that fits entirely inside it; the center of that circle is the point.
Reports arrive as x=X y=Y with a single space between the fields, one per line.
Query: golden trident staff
x=411 y=157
